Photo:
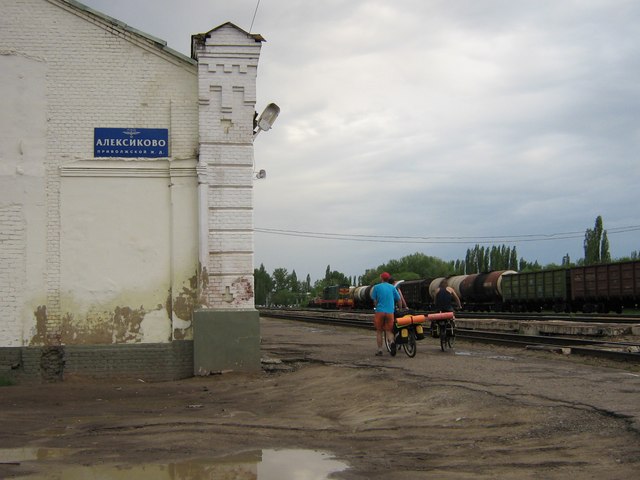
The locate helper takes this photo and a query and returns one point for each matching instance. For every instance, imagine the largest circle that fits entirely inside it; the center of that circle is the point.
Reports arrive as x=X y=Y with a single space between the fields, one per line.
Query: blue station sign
x=131 y=142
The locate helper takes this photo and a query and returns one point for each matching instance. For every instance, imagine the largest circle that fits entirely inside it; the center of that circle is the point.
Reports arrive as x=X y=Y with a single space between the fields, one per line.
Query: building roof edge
x=158 y=42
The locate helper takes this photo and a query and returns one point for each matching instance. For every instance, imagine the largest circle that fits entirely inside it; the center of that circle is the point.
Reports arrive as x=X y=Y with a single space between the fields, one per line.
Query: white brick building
x=121 y=249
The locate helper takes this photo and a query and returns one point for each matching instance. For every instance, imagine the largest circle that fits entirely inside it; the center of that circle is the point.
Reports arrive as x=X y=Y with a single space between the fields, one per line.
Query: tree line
x=284 y=288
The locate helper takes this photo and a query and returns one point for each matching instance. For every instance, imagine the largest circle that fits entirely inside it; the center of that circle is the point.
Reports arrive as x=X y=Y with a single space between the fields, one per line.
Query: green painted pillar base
x=226 y=340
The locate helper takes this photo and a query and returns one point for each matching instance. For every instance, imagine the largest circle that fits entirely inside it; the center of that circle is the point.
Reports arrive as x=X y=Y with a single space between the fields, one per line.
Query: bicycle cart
x=407 y=330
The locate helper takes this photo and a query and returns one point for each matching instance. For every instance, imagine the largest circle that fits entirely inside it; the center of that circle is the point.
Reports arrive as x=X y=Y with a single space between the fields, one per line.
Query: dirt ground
x=480 y=412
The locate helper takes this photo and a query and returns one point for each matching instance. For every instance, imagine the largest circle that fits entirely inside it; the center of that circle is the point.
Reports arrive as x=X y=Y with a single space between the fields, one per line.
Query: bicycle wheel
x=444 y=337
x=451 y=335
x=386 y=342
x=410 y=346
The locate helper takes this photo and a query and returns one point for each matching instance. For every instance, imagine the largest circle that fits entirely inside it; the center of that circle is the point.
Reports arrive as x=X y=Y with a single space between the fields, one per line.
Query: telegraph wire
x=541 y=237
x=254 y=16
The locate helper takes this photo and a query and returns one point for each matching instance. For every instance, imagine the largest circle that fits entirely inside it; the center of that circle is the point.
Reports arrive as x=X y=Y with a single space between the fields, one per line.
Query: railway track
x=565 y=317
x=619 y=351
x=623 y=318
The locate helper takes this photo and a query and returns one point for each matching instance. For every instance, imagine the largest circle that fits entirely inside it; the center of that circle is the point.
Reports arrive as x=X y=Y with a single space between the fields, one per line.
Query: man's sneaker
x=392 y=349
x=379 y=353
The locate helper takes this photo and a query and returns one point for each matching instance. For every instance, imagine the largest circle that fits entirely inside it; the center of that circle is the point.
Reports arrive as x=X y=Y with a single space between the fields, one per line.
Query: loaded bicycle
x=407 y=330
x=443 y=326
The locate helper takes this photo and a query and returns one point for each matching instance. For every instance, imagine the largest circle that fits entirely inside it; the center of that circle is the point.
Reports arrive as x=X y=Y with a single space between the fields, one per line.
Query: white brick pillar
x=227 y=68
x=226 y=330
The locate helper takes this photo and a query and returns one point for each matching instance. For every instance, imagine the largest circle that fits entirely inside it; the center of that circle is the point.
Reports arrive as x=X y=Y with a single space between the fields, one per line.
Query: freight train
x=595 y=288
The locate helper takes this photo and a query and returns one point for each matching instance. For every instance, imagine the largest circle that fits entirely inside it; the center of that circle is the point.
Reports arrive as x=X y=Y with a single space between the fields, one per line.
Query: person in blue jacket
x=385 y=296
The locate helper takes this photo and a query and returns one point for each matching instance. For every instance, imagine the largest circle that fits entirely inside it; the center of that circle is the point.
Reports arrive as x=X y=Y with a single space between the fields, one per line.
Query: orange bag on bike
x=410 y=319
x=440 y=316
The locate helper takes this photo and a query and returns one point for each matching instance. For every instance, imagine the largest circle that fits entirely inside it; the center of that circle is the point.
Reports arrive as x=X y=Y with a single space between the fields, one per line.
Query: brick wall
x=88 y=71
x=12 y=272
x=149 y=362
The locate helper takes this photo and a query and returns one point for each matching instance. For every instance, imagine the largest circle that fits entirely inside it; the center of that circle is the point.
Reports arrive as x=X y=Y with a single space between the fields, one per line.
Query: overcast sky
x=432 y=125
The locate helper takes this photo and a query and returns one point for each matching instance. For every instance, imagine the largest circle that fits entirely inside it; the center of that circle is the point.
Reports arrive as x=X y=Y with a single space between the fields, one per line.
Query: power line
x=540 y=237
x=254 y=16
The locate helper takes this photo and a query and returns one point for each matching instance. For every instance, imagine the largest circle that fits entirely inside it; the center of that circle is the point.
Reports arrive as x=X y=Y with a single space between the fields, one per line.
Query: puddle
x=297 y=464
x=18 y=455
x=501 y=357
x=492 y=357
x=255 y=465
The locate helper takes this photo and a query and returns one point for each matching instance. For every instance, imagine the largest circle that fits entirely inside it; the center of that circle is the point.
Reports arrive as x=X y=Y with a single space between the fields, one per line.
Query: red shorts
x=383 y=321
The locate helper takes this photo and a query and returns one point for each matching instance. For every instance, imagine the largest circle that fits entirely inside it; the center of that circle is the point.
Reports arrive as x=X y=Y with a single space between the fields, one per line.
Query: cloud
x=459 y=118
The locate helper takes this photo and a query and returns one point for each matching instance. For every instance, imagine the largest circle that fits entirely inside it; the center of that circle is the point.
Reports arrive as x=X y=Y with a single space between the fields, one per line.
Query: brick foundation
x=151 y=362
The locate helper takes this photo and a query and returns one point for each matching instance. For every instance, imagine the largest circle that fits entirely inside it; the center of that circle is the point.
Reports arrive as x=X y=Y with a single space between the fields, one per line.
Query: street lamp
x=266 y=119
x=265 y=122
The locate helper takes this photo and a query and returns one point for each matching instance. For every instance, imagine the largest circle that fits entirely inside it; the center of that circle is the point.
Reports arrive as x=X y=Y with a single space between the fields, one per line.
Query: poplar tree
x=263 y=285
x=513 y=259
x=294 y=285
x=605 y=256
x=596 y=244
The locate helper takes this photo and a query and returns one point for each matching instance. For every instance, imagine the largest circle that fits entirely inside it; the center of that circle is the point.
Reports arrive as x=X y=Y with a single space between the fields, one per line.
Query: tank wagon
x=362 y=297
x=454 y=282
x=483 y=291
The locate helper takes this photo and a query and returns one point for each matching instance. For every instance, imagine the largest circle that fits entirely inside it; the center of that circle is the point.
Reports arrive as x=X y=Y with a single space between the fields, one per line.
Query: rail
x=566 y=317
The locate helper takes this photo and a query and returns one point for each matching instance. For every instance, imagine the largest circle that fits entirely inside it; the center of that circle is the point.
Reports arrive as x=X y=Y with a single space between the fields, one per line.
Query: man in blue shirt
x=384 y=296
